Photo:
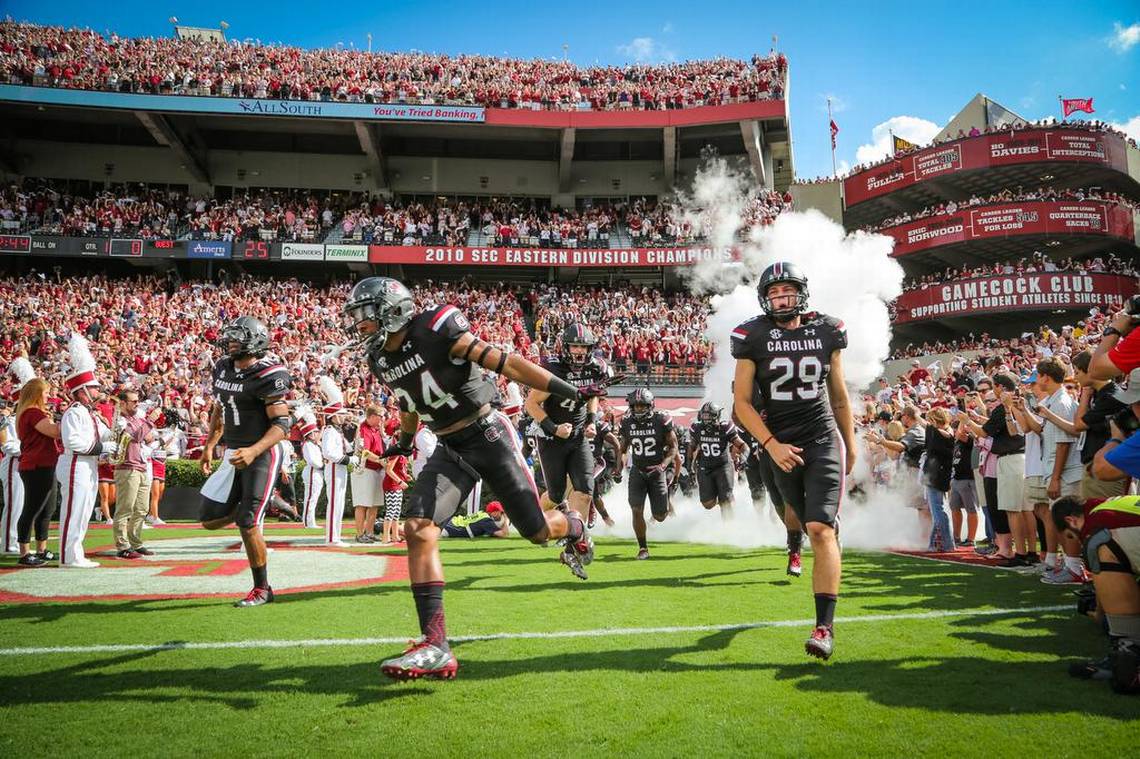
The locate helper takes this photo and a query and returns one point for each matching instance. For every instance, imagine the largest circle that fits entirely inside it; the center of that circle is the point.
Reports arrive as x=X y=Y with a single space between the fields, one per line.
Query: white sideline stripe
x=602 y=633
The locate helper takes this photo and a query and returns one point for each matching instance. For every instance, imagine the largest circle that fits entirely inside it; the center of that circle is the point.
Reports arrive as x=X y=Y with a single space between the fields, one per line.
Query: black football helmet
x=640 y=402
x=251 y=335
x=777 y=273
x=580 y=335
x=380 y=299
x=710 y=414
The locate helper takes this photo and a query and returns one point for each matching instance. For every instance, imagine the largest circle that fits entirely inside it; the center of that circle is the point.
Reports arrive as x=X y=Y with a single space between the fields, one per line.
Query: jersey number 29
x=808 y=371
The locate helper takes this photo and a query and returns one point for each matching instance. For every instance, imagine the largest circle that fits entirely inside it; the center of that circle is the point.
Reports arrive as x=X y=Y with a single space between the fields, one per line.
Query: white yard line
x=114 y=648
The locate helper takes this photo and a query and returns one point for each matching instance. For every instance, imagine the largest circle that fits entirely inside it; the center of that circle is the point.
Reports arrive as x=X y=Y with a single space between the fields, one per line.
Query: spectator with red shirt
x=366 y=477
x=39 y=451
x=396 y=478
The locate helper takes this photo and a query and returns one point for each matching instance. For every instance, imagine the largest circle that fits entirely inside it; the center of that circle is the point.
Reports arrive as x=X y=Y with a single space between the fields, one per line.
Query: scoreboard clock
x=15 y=243
x=126 y=247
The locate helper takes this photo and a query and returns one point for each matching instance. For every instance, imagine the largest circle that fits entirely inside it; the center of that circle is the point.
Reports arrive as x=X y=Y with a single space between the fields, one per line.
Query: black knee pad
x=246 y=519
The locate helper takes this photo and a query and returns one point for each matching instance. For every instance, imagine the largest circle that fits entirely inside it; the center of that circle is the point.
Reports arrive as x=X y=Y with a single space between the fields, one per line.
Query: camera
x=1126 y=421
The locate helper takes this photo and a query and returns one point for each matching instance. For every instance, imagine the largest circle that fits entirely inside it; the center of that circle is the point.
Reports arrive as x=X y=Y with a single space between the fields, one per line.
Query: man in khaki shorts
x=132 y=483
x=1060 y=457
x=1009 y=446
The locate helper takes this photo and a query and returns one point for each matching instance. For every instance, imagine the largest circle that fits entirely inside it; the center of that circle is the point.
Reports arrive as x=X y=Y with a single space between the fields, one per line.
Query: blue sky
x=915 y=62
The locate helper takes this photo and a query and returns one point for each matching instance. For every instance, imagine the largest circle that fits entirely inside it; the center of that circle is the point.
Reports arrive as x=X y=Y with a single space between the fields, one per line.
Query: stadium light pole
x=369 y=36
x=565 y=51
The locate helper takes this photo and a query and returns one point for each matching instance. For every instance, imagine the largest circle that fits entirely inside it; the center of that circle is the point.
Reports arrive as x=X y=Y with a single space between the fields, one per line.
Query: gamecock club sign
x=1012 y=292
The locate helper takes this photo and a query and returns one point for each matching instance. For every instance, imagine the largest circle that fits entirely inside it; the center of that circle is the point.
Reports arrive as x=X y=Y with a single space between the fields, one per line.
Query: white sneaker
x=81 y=564
x=337 y=544
x=145 y=525
x=157 y=522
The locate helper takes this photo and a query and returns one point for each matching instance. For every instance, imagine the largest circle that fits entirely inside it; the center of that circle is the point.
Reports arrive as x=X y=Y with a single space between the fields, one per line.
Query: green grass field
x=918 y=670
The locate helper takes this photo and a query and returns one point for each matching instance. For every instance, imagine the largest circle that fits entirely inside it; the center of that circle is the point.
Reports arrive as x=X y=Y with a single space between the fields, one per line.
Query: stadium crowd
x=942 y=431
x=1108 y=263
x=156 y=333
x=1016 y=346
x=83 y=59
x=40 y=206
x=639 y=329
x=1008 y=195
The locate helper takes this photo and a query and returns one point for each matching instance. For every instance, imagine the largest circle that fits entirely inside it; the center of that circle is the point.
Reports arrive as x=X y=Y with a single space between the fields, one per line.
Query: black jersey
x=563 y=410
x=646 y=439
x=242 y=394
x=598 y=444
x=791 y=372
x=713 y=442
x=423 y=375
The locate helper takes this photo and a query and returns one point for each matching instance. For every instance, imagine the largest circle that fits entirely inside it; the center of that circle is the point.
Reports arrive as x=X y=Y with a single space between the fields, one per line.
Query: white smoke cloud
x=912 y=128
x=851 y=277
x=880 y=522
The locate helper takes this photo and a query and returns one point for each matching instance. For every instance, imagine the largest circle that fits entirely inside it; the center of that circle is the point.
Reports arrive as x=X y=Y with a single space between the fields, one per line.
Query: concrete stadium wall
x=825 y=197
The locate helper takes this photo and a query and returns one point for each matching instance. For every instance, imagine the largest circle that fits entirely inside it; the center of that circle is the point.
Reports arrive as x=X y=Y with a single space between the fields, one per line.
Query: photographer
x=1119 y=458
x=1109 y=532
x=1119 y=349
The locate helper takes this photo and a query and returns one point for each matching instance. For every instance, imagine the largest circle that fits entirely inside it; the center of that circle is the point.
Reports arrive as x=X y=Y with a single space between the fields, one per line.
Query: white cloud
x=1124 y=37
x=1130 y=127
x=919 y=131
x=646 y=50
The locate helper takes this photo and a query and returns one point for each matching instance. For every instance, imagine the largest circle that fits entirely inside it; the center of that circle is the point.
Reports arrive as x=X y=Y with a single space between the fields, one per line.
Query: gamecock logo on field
x=206 y=567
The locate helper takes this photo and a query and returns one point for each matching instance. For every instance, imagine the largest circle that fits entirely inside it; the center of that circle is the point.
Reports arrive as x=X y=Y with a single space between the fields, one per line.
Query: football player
x=250 y=416
x=792 y=358
x=758 y=471
x=648 y=436
x=563 y=446
x=605 y=447
x=713 y=445
x=434 y=366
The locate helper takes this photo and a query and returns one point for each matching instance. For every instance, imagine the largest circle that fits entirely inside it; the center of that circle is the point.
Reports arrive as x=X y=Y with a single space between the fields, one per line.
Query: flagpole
x=1061 y=102
x=831 y=135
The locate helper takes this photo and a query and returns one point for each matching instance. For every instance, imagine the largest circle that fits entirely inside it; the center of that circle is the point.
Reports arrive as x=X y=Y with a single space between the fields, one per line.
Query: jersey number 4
x=432 y=393
x=807 y=371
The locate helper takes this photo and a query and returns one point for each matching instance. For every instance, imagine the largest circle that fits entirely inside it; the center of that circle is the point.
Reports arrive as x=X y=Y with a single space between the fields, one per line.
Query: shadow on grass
x=241 y=686
x=952 y=685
